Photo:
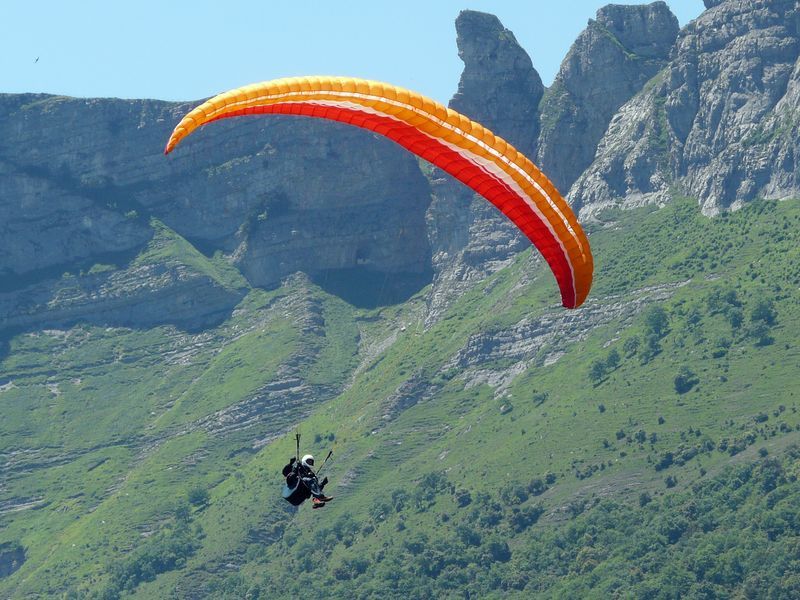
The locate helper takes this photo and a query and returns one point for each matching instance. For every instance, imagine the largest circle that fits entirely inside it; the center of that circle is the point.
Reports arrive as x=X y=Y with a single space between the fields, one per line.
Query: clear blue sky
x=176 y=50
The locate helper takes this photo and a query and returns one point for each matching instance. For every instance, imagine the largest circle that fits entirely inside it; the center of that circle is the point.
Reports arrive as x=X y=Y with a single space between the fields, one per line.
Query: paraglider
x=463 y=148
x=302 y=482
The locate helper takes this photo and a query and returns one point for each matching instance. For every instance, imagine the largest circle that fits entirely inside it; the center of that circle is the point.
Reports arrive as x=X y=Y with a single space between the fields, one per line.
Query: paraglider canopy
x=463 y=148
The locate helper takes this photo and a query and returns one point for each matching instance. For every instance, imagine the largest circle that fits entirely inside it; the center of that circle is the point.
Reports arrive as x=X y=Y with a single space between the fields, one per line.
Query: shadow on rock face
x=364 y=288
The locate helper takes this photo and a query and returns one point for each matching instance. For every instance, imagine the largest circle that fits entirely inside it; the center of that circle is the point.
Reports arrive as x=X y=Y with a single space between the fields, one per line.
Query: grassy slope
x=114 y=488
x=99 y=424
x=463 y=433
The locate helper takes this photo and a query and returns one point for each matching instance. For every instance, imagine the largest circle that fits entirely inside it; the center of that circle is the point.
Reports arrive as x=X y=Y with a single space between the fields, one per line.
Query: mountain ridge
x=156 y=354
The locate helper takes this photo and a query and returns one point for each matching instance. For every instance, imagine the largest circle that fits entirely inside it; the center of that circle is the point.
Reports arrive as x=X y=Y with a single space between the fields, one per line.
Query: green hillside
x=644 y=445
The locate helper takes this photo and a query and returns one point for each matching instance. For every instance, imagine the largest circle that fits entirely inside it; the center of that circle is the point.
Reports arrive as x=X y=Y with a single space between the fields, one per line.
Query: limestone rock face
x=609 y=62
x=89 y=171
x=82 y=178
x=637 y=112
x=499 y=87
x=719 y=123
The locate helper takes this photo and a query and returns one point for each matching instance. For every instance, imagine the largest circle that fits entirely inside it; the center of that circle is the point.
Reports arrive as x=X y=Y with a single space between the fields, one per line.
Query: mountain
x=84 y=180
x=717 y=124
x=608 y=64
x=167 y=322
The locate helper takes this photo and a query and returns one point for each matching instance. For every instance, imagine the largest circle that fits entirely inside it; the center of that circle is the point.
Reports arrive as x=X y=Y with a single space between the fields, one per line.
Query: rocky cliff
x=609 y=62
x=638 y=111
x=718 y=123
x=499 y=86
x=500 y=89
x=83 y=178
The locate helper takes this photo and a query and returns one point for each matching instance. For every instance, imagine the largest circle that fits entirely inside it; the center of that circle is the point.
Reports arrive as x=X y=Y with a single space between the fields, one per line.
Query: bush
x=735 y=317
x=399 y=499
x=630 y=346
x=764 y=311
x=468 y=536
x=685 y=380
x=514 y=494
x=612 y=361
x=524 y=517
x=499 y=551
x=673 y=528
x=665 y=461
x=652 y=347
x=759 y=332
x=164 y=552
x=537 y=486
x=462 y=498
x=540 y=398
x=656 y=321
x=198 y=496
x=597 y=371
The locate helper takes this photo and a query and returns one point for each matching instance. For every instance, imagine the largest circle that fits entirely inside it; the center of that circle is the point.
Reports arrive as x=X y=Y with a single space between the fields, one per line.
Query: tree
x=759 y=332
x=656 y=321
x=631 y=345
x=198 y=496
x=735 y=317
x=612 y=361
x=652 y=346
x=597 y=371
x=685 y=380
x=764 y=311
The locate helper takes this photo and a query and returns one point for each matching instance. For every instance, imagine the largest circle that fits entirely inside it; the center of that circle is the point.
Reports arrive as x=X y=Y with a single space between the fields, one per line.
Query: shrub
x=197 y=496
x=764 y=311
x=652 y=347
x=514 y=494
x=537 y=486
x=735 y=317
x=656 y=321
x=524 y=517
x=597 y=371
x=463 y=498
x=759 y=333
x=685 y=380
x=631 y=345
x=540 y=398
x=612 y=361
